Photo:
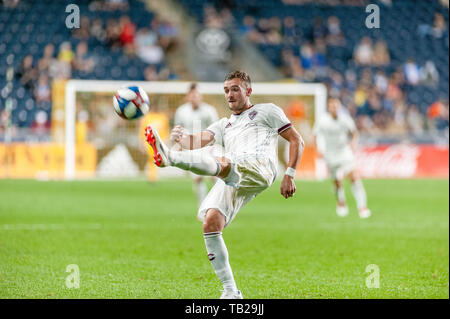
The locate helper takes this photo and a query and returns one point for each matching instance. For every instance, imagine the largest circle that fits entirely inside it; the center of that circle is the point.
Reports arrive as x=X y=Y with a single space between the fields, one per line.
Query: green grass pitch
x=132 y=239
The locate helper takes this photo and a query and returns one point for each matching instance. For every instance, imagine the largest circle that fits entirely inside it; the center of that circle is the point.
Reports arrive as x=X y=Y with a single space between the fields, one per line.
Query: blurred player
x=248 y=167
x=339 y=136
x=195 y=116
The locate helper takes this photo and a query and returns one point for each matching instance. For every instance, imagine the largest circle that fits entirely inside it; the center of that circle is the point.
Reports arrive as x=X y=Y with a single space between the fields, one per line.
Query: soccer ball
x=131 y=102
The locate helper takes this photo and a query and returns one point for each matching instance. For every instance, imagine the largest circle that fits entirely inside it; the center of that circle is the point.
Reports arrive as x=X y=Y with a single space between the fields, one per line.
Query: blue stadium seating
x=400 y=35
x=27 y=28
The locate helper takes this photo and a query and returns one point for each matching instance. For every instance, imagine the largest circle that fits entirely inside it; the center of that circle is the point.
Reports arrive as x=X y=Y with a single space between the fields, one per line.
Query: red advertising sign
x=403 y=161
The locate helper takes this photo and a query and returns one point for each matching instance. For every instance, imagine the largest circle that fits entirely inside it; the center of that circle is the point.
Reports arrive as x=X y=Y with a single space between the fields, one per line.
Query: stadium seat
x=402 y=44
x=30 y=26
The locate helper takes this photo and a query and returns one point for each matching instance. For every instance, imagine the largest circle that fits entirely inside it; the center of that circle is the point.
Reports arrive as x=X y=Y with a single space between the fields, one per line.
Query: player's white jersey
x=252 y=134
x=195 y=121
x=335 y=134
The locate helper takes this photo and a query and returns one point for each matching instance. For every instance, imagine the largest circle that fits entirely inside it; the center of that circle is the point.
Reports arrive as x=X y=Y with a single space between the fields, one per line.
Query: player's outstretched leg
x=218 y=253
x=360 y=196
x=199 y=164
x=341 y=207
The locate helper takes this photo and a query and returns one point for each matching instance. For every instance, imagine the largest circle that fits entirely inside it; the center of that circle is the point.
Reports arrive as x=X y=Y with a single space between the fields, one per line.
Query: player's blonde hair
x=240 y=75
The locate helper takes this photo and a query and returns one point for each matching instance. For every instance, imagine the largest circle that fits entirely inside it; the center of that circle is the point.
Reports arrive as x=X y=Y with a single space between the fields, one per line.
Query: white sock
x=201 y=190
x=340 y=195
x=218 y=255
x=360 y=194
x=195 y=162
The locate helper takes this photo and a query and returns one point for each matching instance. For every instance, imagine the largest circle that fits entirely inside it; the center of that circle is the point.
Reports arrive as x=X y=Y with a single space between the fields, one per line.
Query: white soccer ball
x=131 y=102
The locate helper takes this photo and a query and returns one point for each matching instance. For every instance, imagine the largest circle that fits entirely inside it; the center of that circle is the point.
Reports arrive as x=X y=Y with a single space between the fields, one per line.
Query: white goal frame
x=318 y=90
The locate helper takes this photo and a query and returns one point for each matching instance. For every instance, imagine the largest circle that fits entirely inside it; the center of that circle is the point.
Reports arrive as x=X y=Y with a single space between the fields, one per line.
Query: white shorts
x=340 y=163
x=246 y=180
x=339 y=170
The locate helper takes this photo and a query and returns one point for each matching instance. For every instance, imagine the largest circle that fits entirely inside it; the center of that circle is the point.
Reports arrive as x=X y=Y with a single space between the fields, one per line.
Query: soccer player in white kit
x=193 y=117
x=249 y=166
x=339 y=136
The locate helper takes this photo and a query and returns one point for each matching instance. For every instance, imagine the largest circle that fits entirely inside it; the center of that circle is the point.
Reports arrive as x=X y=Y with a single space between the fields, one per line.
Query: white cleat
x=160 y=150
x=230 y=294
x=364 y=213
x=342 y=210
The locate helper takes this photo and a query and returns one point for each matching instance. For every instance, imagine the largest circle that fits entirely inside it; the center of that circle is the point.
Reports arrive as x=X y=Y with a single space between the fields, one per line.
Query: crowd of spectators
x=149 y=44
x=217 y=18
x=377 y=99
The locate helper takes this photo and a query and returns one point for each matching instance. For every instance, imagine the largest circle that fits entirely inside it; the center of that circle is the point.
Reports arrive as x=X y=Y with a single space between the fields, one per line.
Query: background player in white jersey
x=193 y=117
x=337 y=132
x=249 y=166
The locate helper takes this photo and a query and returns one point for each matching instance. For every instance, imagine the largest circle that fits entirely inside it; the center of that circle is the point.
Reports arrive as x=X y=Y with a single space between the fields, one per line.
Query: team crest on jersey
x=228 y=125
x=252 y=114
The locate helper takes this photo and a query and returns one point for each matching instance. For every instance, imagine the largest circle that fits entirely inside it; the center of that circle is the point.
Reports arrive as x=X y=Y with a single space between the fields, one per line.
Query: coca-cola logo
x=390 y=161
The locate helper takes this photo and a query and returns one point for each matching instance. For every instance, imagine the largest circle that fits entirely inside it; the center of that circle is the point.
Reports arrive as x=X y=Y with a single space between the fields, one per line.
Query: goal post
x=80 y=94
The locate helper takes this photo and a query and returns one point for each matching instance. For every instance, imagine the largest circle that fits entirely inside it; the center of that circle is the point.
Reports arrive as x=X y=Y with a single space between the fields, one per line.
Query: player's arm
x=353 y=131
x=191 y=141
x=354 y=140
x=296 y=147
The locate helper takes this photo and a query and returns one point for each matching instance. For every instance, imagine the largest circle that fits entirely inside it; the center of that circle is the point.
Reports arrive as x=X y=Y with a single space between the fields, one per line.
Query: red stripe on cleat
x=152 y=141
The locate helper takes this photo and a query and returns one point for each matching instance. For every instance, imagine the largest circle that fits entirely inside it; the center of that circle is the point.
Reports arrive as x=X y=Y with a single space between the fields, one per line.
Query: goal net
x=100 y=144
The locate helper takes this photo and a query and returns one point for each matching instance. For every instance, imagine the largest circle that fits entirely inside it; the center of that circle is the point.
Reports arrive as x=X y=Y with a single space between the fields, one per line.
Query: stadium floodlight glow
x=317 y=90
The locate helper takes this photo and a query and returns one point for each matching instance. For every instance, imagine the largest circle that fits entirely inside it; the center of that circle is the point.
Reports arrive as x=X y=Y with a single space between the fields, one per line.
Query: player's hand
x=177 y=133
x=287 y=187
